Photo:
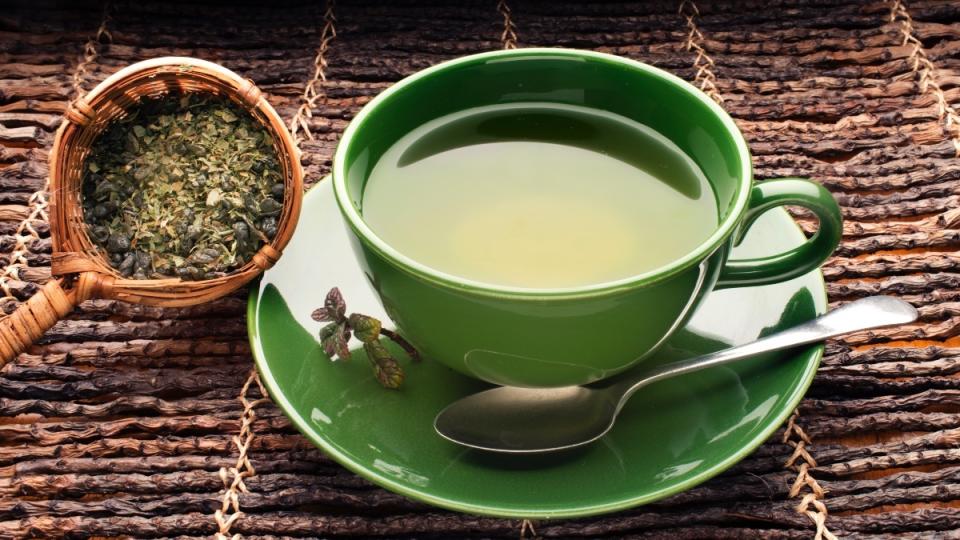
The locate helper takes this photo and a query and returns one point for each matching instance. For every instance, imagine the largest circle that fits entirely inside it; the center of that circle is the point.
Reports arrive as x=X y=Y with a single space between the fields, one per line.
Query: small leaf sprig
x=335 y=336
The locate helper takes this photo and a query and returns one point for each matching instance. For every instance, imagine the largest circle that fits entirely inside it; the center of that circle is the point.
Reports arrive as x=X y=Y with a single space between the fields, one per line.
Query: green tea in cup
x=539 y=195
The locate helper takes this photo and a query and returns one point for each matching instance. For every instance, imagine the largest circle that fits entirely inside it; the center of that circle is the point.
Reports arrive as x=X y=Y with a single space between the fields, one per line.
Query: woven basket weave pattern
x=76 y=253
x=84 y=271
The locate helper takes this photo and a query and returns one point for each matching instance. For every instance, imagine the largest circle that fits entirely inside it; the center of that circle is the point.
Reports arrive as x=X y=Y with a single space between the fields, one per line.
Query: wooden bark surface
x=118 y=422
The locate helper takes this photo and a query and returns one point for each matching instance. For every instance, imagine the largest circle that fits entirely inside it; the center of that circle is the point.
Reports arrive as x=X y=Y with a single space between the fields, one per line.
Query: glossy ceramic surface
x=671 y=436
x=559 y=337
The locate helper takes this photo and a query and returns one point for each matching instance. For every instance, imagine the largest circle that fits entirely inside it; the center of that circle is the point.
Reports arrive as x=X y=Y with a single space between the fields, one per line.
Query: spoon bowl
x=490 y=421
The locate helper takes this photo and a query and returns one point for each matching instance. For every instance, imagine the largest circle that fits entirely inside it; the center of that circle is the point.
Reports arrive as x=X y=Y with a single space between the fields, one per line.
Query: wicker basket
x=81 y=271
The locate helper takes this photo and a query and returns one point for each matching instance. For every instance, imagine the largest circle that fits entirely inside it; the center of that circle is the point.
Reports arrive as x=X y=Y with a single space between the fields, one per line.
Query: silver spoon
x=530 y=420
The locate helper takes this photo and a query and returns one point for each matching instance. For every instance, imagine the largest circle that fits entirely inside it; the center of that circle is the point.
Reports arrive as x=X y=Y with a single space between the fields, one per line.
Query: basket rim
x=234 y=87
x=159 y=62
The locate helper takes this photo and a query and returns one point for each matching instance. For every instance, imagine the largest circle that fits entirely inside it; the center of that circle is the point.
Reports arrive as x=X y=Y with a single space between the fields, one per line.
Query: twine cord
x=509 y=36
x=232 y=477
x=526 y=526
x=23 y=236
x=312 y=93
x=799 y=440
x=703 y=63
x=90 y=51
x=37 y=204
x=927 y=73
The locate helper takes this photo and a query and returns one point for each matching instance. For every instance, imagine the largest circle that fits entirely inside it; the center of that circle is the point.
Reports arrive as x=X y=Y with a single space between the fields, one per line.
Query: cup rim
x=420 y=270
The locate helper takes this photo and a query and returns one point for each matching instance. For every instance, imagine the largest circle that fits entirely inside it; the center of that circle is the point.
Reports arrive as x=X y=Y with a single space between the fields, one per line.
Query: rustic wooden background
x=126 y=420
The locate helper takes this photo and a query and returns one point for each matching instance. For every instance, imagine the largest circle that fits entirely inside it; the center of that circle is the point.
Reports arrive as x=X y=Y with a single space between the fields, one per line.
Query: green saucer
x=671 y=436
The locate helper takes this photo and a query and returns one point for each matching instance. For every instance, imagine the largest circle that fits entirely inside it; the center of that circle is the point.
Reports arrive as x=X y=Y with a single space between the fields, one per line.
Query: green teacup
x=557 y=337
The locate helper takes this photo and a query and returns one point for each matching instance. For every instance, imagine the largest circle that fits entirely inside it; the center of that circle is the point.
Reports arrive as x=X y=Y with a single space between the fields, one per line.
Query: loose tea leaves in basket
x=185 y=185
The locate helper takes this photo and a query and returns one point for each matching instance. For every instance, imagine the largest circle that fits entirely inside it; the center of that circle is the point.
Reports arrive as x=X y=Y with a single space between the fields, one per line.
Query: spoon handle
x=863 y=314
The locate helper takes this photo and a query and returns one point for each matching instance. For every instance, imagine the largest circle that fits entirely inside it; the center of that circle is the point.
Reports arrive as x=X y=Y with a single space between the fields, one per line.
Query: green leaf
x=385 y=367
x=334 y=338
x=139 y=131
x=329 y=346
x=366 y=328
x=335 y=306
x=327 y=330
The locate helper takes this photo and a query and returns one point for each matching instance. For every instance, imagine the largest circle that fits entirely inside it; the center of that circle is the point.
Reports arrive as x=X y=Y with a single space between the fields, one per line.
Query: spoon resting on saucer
x=530 y=420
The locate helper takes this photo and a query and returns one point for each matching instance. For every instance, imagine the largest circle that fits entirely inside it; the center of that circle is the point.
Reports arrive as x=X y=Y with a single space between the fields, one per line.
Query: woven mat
x=129 y=420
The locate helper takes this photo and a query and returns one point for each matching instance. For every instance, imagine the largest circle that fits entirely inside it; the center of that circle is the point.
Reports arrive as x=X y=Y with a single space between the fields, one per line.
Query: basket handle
x=31 y=319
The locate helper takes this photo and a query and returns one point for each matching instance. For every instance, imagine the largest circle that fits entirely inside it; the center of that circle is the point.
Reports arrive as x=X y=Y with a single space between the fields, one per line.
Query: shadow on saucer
x=523 y=462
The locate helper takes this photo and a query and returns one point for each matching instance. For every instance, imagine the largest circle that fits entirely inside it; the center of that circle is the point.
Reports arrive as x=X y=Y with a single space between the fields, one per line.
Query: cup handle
x=799 y=260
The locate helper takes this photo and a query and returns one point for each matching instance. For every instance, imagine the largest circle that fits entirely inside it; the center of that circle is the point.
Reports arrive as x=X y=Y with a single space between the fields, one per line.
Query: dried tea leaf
x=327 y=330
x=364 y=327
x=270 y=207
x=385 y=366
x=227 y=116
x=213 y=198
